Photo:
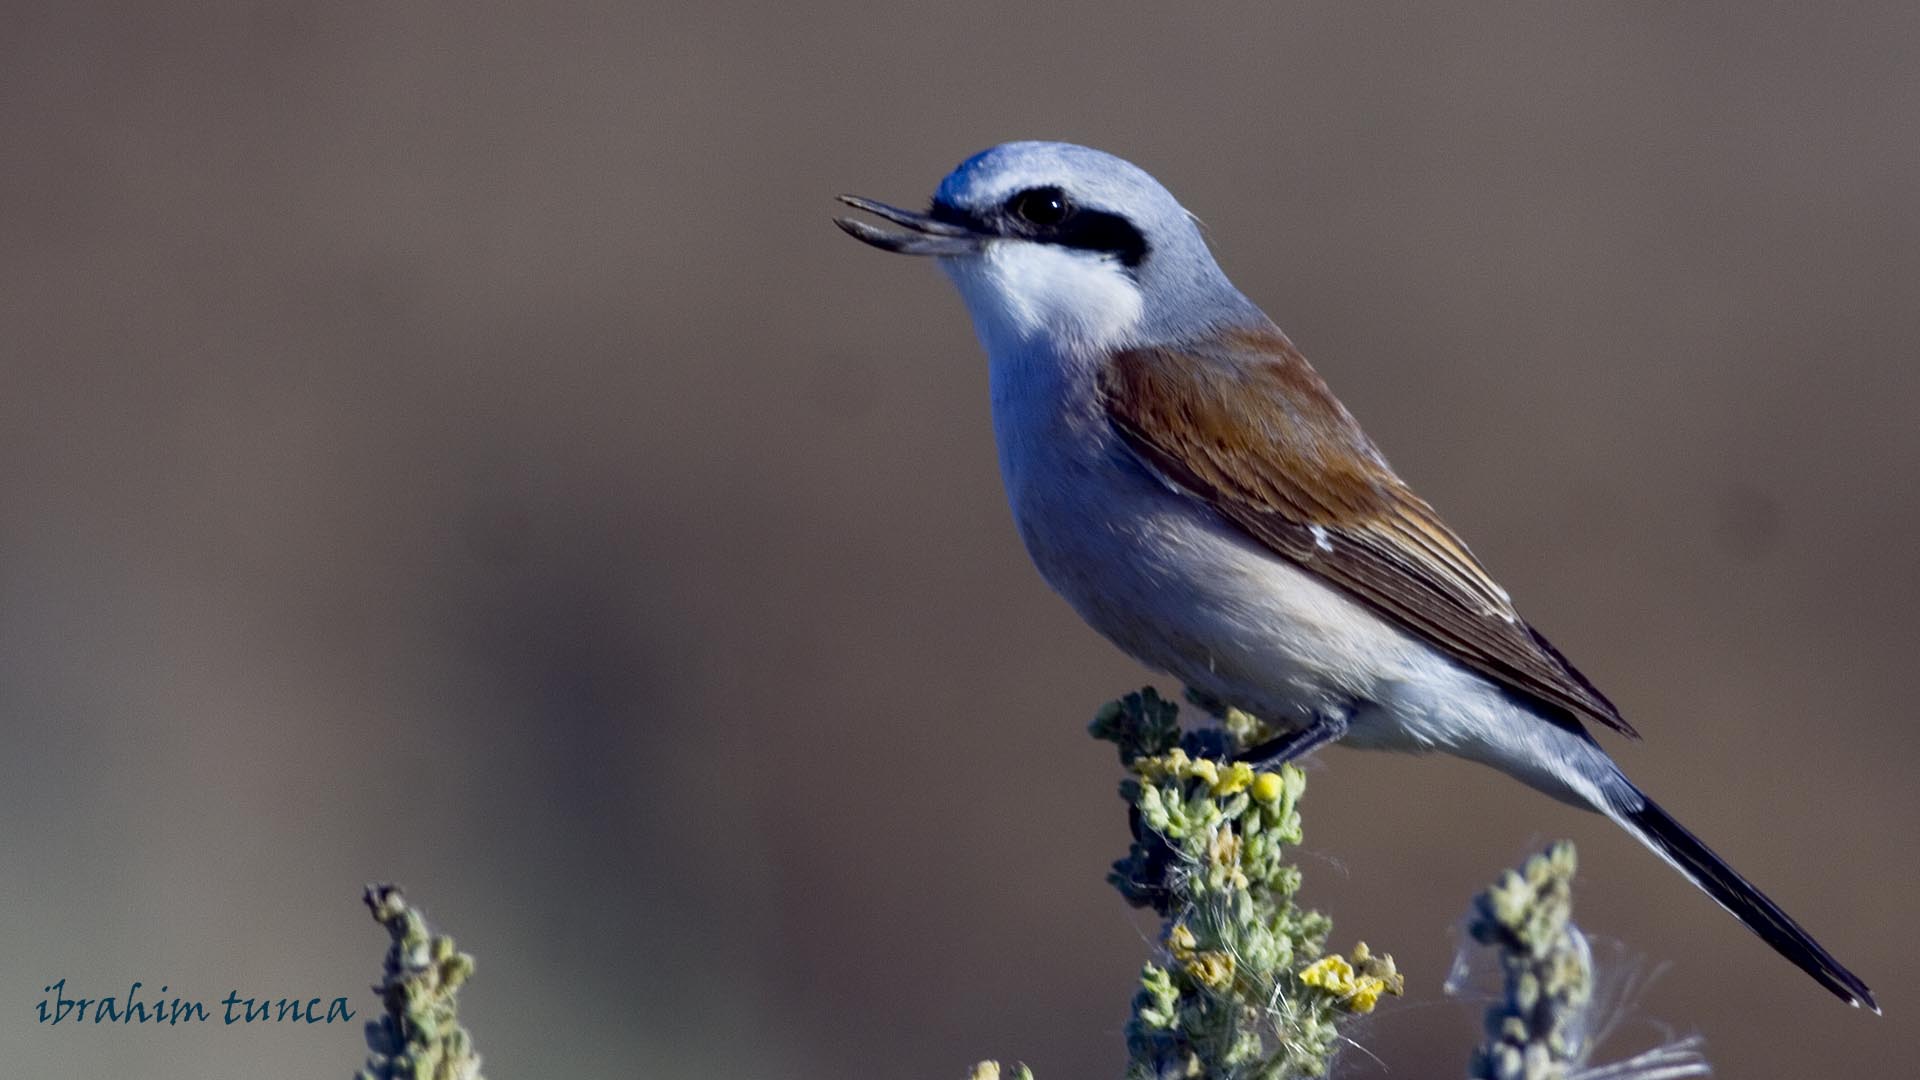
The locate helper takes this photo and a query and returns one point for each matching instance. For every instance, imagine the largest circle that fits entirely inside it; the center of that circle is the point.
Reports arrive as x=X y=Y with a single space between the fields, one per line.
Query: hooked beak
x=926 y=235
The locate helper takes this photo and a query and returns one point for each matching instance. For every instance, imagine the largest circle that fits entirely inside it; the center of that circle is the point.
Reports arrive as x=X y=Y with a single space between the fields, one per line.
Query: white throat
x=1021 y=294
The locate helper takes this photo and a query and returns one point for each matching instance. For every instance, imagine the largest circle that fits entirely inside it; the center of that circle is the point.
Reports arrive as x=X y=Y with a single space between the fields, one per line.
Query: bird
x=1187 y=482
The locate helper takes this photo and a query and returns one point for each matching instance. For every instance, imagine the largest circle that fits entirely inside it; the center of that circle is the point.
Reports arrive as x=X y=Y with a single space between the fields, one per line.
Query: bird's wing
x=1246 y=425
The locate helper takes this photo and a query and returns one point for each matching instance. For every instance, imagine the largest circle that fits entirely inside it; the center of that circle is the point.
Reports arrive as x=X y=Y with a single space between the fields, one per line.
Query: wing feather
x=1246 y=425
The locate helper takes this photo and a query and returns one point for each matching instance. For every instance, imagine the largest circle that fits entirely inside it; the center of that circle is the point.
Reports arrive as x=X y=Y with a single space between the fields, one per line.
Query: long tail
x=1670 y=840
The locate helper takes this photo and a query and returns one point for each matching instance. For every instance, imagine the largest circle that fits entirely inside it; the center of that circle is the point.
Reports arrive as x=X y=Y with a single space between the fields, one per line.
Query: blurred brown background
x=449 y=442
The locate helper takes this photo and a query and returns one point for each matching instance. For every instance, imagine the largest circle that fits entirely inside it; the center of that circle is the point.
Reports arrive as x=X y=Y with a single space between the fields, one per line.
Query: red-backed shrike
x=1186 y=481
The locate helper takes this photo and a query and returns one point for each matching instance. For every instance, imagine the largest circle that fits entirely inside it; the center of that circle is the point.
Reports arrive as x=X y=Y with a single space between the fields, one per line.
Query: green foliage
x=1245 y=988
x=1140 y=724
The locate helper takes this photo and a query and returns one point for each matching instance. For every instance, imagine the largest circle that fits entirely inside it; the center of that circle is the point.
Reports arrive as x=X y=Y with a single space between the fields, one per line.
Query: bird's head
x=1056 y=241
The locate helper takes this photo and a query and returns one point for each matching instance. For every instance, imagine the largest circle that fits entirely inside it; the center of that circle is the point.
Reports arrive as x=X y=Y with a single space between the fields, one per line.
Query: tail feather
x=1670 y=840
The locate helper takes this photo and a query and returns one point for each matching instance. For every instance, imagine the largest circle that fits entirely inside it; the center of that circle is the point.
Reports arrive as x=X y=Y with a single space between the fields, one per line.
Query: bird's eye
x=1045 y=207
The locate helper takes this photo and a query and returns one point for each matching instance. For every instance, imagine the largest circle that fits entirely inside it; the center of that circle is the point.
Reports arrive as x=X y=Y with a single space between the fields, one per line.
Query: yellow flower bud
x=1330 y=973
x=1238 y=777
x=1357 y=992
x=1267 y=787
x=1180 y=939
x=1366 y=994
x=1212 y=969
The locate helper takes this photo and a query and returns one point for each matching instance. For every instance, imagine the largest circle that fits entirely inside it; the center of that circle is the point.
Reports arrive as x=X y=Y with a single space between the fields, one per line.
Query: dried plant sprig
x=1542 y=1027
x=419 y=1036
x=1533 y=1032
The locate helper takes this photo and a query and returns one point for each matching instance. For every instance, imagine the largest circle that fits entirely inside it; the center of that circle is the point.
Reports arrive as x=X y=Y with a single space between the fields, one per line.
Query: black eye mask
x=1047 y=216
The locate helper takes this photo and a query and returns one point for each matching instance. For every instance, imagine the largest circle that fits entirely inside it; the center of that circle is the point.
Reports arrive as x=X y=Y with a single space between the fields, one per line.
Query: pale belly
x=1184 y=592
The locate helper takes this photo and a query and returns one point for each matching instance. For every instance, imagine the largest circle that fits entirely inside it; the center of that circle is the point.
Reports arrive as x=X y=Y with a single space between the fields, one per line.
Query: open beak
x=924 y=236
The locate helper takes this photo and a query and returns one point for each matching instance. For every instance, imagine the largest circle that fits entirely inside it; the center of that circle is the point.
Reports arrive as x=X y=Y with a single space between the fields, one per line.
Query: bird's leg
x=1325 y=728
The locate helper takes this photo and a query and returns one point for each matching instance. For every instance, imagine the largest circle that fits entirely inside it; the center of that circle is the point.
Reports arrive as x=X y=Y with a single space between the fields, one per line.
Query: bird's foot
x=1325 y=728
